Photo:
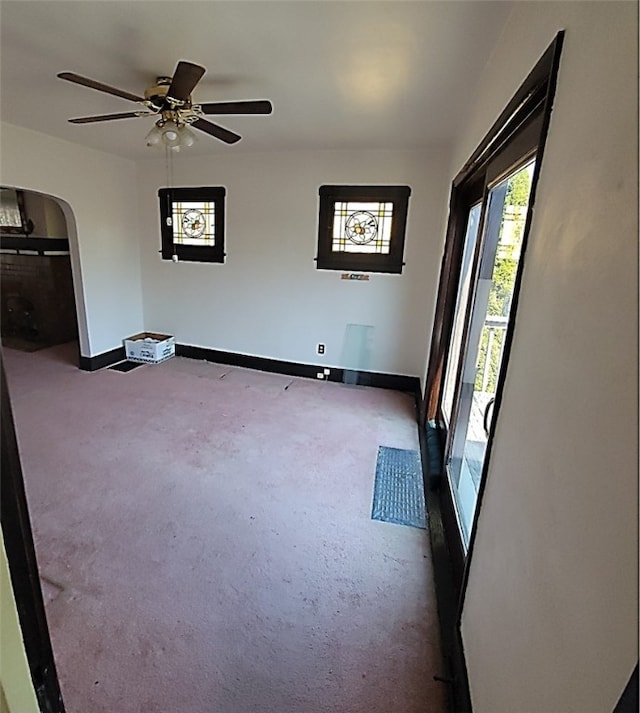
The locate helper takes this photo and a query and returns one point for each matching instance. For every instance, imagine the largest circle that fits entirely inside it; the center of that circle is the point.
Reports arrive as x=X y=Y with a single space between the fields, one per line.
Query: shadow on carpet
x=24 y=345
x=398 y=493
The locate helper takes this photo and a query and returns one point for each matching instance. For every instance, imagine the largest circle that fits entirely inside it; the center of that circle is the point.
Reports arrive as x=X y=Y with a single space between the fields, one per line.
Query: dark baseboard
x=397 y=382
x=454 y=675
x=100 y=361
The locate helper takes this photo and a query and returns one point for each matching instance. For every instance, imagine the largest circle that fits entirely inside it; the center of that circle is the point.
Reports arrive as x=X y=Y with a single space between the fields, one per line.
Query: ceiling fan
x=170 y=99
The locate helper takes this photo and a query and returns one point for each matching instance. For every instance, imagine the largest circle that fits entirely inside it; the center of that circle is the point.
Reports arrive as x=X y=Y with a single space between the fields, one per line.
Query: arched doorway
x=39 y=277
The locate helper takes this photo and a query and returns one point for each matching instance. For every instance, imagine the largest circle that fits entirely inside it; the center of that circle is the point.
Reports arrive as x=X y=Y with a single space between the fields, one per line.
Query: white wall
x=97 y=192
x=268 y=299
x=550 y=620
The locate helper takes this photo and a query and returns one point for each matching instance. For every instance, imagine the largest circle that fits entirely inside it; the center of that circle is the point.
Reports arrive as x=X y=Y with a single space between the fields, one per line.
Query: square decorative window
x=362 y=228
x=192 y=223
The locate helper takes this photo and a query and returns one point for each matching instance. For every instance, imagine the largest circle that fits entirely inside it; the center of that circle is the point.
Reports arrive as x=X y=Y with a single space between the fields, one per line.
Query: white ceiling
x=340 y=74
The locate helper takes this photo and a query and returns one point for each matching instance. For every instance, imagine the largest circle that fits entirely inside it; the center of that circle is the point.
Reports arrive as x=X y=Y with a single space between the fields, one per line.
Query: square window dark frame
x=393 y=261
x=192 y=253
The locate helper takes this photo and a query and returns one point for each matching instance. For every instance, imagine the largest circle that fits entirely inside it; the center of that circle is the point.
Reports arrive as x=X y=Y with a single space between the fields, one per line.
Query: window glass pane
x=9 y=210
x=194 y=223
x=461 y=308
x=483 y=361
x=362 y=227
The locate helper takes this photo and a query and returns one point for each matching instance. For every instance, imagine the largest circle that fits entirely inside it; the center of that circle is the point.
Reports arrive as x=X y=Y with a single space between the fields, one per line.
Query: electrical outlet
x=327 y=372
x=320 y=375
x=320 y=348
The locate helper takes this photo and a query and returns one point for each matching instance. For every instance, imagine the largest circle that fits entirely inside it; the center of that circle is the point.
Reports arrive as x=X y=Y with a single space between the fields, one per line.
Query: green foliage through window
x=503 y=278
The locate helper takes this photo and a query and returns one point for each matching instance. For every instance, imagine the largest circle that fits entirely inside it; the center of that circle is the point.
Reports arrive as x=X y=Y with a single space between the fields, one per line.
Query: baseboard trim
x=397 y=382
x=100 y=361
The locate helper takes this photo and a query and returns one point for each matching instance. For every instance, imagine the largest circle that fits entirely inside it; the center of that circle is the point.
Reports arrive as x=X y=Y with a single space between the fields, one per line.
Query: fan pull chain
x=169 y=169
x=169 y=165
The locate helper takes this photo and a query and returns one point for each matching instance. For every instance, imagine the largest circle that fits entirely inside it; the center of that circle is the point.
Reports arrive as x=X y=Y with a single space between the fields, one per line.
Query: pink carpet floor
x=205 y=542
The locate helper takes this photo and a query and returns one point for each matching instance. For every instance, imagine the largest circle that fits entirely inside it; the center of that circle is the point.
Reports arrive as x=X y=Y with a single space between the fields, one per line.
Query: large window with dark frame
x=362 y=228
x=491 y=205
x=192 y=223
x=490 y=210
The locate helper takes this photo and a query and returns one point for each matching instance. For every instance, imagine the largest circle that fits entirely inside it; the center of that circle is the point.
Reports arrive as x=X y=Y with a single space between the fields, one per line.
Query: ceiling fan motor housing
x=157 y=94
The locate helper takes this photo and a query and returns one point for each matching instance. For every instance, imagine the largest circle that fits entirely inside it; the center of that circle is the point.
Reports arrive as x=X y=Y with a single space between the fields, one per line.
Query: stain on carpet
x=24 y=345
x=196 y=367
x=50 y=589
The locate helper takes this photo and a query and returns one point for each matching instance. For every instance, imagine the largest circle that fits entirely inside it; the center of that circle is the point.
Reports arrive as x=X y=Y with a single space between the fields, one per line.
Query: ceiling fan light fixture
x=153 y=137
x=187 y=137
x=170 y=134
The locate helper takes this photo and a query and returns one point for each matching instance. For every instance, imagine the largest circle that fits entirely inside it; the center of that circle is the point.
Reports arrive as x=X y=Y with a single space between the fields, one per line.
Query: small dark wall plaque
x=353 y=276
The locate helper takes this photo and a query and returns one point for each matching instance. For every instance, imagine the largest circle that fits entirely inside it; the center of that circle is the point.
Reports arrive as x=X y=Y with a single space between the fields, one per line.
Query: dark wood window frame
x=506 y=144
x=521 y=128
x=391 y=262
x=192 y=253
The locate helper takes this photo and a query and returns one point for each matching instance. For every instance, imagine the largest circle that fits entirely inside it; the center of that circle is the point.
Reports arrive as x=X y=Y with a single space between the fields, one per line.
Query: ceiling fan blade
x=259 y=106
x=185 y=78
x=110 y=117
x=92 y=84
x=218 y=131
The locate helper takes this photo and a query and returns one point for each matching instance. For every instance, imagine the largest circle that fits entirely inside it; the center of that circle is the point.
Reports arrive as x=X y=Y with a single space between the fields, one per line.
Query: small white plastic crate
x=150 y=348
